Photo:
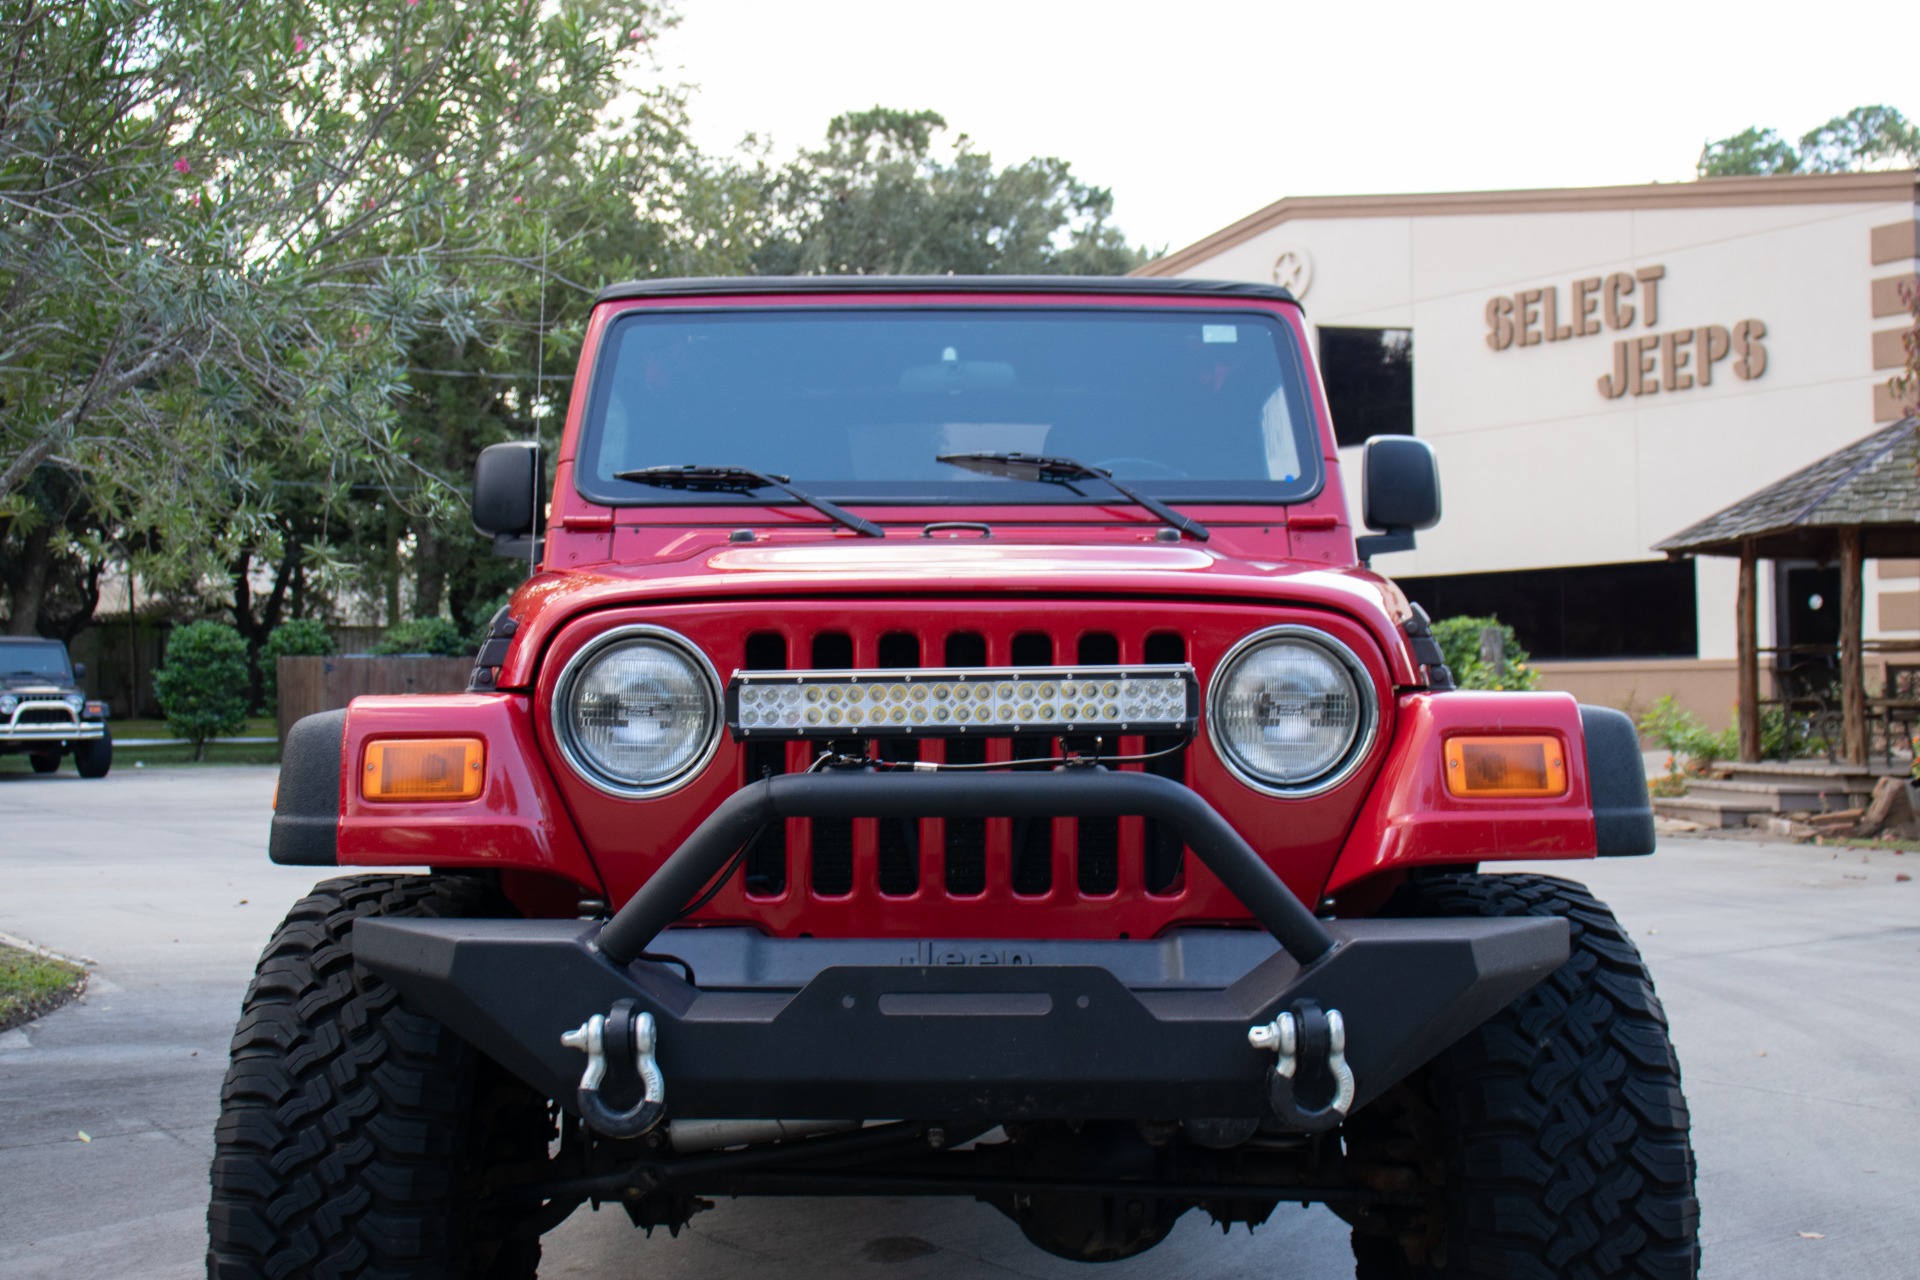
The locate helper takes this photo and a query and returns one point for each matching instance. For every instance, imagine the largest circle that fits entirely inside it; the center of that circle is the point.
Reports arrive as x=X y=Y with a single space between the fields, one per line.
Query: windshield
x=41 y=660
x=1188 y=405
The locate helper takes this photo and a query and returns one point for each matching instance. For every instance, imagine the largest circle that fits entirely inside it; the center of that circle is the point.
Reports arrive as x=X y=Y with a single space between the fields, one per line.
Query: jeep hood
x=1018 y=571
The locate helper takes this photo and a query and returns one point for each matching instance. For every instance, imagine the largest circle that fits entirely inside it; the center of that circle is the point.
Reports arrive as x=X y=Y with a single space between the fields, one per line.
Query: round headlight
x=637 y=711
x=7 y=703
x=1292 y=710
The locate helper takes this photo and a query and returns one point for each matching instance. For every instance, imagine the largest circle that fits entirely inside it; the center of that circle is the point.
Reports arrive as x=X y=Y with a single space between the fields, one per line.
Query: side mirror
x=79 y=672
x=1400 y=492
x=508 y=491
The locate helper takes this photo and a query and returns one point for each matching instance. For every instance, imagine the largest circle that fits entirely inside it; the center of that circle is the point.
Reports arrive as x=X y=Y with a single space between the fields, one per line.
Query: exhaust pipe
x=688 y=1136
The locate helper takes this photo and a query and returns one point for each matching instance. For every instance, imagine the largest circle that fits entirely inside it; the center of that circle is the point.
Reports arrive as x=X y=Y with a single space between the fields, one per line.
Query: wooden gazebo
x=1861 y=503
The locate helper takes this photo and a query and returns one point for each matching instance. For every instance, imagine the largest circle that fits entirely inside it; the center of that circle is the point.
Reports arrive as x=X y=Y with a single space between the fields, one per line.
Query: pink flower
x=413 y=4
x=181 y=166
x=637 y=34
x=299 y=44
x=519 y=199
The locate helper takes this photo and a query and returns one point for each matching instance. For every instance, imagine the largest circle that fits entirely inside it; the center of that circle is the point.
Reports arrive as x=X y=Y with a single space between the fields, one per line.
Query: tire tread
x=344 y=1116
x=1565 y=1126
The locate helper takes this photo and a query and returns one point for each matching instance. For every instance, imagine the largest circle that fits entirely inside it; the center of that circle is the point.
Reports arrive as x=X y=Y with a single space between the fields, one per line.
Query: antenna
x=533 y=408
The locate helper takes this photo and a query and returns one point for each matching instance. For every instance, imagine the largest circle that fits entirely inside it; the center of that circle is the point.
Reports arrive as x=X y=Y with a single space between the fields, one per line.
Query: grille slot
x=766 y=864
x=1165 y=856
x=897 y=840
x=966 y=845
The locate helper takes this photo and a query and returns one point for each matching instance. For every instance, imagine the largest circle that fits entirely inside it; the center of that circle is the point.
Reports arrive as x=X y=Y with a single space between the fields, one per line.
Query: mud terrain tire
x=1553 y=1140
x=355 y=1137
x=92 y=757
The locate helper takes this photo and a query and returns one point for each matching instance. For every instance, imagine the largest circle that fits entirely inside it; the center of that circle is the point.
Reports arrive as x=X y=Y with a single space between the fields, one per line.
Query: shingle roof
x=1872 y=484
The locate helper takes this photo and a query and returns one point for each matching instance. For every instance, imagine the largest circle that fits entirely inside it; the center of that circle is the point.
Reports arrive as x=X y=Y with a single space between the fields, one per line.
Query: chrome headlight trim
x=562 y=721
x=1363 y=737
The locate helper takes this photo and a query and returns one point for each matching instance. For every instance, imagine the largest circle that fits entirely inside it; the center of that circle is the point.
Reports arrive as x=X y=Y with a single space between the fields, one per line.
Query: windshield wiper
x=1056 y=470
x=745 y=480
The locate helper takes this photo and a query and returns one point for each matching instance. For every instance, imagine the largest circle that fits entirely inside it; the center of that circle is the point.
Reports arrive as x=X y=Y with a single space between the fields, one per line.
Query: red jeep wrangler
x=953 y=745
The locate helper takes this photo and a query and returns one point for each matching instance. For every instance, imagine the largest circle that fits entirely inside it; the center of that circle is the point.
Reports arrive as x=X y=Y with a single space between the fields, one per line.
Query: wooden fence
x=309 y=685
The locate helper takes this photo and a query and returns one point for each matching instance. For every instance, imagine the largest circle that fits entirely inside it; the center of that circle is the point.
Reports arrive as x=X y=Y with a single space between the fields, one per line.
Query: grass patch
x=32 y=985
x=125 y=757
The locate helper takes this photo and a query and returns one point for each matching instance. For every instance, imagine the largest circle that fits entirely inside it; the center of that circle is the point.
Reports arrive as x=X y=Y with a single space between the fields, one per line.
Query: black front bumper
x=947 y=1042
x=835 y=1029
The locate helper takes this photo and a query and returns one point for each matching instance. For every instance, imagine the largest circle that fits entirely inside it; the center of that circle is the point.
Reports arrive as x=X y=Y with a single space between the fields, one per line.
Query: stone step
x=1853 y=777
x=1723 y=814
x=1773 y=797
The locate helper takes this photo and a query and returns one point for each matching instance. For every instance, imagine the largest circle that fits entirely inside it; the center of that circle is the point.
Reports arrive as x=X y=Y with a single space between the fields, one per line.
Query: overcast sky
x=1197 y=114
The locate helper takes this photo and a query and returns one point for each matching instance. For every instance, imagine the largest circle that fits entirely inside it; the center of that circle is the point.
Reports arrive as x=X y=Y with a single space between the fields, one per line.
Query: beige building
x=1597 y=369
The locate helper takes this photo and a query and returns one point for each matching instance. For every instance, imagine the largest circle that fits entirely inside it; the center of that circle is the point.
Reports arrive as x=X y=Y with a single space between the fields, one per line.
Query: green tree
x=231 y=236
x=1749 y=152
x=877 y=199
x=202 y=684
x=1459 y=640
x=301 y=638
x=1874 y=137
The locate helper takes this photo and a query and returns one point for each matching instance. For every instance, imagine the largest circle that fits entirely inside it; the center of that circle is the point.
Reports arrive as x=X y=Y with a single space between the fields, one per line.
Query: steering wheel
x=1155 y=470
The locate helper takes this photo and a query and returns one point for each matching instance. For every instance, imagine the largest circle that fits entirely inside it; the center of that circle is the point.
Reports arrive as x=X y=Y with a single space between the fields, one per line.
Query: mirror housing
x=508 y=493
x=1400 y=493
x=79 y=672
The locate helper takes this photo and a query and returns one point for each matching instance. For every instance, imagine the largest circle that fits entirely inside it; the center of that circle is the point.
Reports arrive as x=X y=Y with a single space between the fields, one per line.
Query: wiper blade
x=745 y=480
x=1058 y=470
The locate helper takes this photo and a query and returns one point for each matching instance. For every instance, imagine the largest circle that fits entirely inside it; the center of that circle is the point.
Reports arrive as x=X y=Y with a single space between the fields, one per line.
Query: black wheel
x=1551 y=1141
x=356 y=1138
x=94 y=756
x=45 y=761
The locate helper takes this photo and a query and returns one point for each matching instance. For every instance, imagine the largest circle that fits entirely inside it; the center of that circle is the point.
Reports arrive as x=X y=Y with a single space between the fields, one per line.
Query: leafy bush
x=1783 y=737
x=202 y=684
x=1685 y=737
x=301 y=638
x=1460 y=644
x=436 y=637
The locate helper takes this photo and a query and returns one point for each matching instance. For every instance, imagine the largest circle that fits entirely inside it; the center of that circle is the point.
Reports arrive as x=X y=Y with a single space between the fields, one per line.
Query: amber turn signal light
x=1506 y=767
x=423 y=769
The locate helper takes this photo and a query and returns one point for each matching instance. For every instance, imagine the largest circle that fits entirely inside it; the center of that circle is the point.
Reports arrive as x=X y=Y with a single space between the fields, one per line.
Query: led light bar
x=928 y=702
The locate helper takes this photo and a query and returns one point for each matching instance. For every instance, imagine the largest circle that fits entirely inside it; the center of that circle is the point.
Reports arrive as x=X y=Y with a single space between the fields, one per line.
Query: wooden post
x=1747 y=647
x=1853 y=677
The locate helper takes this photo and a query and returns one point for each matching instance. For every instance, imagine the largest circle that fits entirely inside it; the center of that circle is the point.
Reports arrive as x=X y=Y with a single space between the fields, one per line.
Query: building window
x=1369 y=379
x=1640 y=610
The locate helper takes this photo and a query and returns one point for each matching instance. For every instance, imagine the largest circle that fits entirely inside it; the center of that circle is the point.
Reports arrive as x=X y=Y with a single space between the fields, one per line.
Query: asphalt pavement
x=1787 y=971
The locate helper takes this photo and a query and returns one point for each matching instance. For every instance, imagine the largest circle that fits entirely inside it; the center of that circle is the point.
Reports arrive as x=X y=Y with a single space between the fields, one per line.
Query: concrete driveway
x=1788 y=973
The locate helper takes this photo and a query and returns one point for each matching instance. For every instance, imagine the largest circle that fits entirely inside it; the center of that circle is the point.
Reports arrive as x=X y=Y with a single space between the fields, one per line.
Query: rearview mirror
x=507 y=496
x=79 y=672
x=1399 y=493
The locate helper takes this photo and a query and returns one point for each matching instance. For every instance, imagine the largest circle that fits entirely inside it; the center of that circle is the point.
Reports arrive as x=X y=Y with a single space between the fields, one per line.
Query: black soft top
x=1136 y=286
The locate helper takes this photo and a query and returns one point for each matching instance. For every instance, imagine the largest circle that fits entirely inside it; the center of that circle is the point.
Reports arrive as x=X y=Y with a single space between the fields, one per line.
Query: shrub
x=1685 y=737
x=1783 y=737
x=436 y=637
x=301 y=638
x=202 y=684
x=1459 y=640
